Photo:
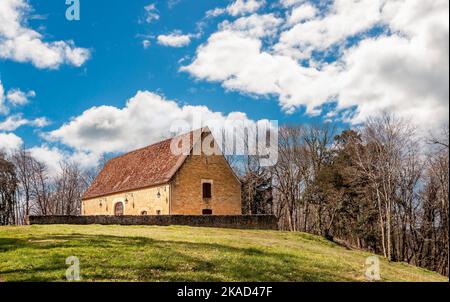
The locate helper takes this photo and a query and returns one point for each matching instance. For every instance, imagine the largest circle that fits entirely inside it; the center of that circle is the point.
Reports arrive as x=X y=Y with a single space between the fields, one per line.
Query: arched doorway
x=118 y=209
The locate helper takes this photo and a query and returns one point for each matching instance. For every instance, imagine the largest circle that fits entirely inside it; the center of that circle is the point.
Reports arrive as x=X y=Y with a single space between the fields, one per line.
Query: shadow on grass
x=106 y=257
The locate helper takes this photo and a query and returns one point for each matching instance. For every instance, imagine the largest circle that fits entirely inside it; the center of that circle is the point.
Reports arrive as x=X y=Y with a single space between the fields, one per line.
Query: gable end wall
x=186 y=187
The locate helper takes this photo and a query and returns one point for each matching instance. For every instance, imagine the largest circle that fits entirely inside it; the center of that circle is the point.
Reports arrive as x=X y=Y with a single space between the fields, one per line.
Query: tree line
x=378 y=187
x=27 y=187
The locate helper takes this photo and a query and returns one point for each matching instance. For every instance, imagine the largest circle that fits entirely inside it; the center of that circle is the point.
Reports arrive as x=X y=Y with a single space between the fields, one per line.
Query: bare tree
x=387 y=140
x=288 y=176
x=69 y=185
x=41 y=188
x=42 y=194
x=24 y=164
x=432 y=237
x=302 y=153
x=8 y=187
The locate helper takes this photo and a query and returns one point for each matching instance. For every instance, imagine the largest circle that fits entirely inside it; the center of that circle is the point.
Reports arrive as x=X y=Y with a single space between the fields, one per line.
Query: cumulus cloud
x=238 y=61
x=14 y=97
x=52 y=157
x=365 y=55
x=146 y=118
x=240 y=7
x=11 y=123
x=17 y=97
x=302 y=13
x=290 y=3
x=20 y=43
x=344 y=19
x=175 y=39
x=237 y=8
x=9 y=142
x=254 y=26
x=215 y=12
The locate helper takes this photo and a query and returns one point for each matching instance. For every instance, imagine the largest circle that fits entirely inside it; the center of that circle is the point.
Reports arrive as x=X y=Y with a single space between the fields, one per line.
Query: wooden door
x=118 y=209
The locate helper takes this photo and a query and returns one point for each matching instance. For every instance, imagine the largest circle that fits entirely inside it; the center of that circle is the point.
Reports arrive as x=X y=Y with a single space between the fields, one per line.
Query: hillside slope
x=177 y=253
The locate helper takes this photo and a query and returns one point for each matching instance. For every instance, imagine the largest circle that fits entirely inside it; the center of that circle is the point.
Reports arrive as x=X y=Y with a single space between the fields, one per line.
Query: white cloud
x=9 y=142
x=237 y=8
x=255 y=25
x=215 y=12
x=84 y=160
x=151 y=13
x=23 y=44
x=17 y=97
x=302 y=13
x=241 y=7
x=174 y=40
x=12 y=123
x=14 y=97
x=344 y=19
x=239 y=63
x=52 y=157
x=15 y=121
x=146 y=43
x=40 y=122
x=3 y=108
x=290 y=3
x=145 y=119
x=404 y=71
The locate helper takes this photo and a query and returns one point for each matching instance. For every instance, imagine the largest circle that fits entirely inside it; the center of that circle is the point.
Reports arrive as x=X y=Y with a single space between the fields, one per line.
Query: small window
x=206 y=190
x=207 y=212
x=144 y=213
x=158 y=212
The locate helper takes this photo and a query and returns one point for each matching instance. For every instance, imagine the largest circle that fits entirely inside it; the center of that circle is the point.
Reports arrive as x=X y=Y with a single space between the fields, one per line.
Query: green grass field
x=178 y=253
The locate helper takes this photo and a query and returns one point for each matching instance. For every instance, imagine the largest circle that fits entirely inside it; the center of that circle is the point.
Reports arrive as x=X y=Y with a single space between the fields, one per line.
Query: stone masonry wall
x=263 y=222
x=186 y=187
x=138 y=201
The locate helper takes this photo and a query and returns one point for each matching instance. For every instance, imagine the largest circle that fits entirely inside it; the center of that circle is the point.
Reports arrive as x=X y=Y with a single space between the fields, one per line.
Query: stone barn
x=154 y=180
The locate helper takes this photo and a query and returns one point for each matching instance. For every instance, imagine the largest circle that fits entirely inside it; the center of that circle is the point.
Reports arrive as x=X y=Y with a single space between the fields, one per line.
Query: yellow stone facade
x=186 y=187
x=144 y=201
x=182 y=195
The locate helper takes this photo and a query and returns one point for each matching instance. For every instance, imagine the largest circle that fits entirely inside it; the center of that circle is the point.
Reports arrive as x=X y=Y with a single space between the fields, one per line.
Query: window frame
x=210 y=212
x=206 y=183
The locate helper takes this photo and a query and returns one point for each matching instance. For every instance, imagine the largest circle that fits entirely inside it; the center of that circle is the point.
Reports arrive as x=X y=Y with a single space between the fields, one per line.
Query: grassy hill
x=178 y=253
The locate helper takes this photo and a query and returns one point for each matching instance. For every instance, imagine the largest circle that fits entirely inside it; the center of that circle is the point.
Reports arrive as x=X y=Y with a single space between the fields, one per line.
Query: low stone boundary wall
x=262 y=222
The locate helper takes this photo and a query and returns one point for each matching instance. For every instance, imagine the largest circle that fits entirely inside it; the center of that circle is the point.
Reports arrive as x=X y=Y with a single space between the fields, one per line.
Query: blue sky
x=119 y=65
x=314 y=71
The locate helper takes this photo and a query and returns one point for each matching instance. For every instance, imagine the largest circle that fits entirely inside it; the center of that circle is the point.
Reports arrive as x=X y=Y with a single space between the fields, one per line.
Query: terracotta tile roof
x=145 y=167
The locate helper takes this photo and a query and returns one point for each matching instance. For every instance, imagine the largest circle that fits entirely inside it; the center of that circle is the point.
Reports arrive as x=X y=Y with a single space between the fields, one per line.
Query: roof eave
x=127 y=190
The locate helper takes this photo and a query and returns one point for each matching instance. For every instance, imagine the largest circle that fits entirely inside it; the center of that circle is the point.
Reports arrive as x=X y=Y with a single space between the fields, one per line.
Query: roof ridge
x=141 y=148
x=154 y=144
